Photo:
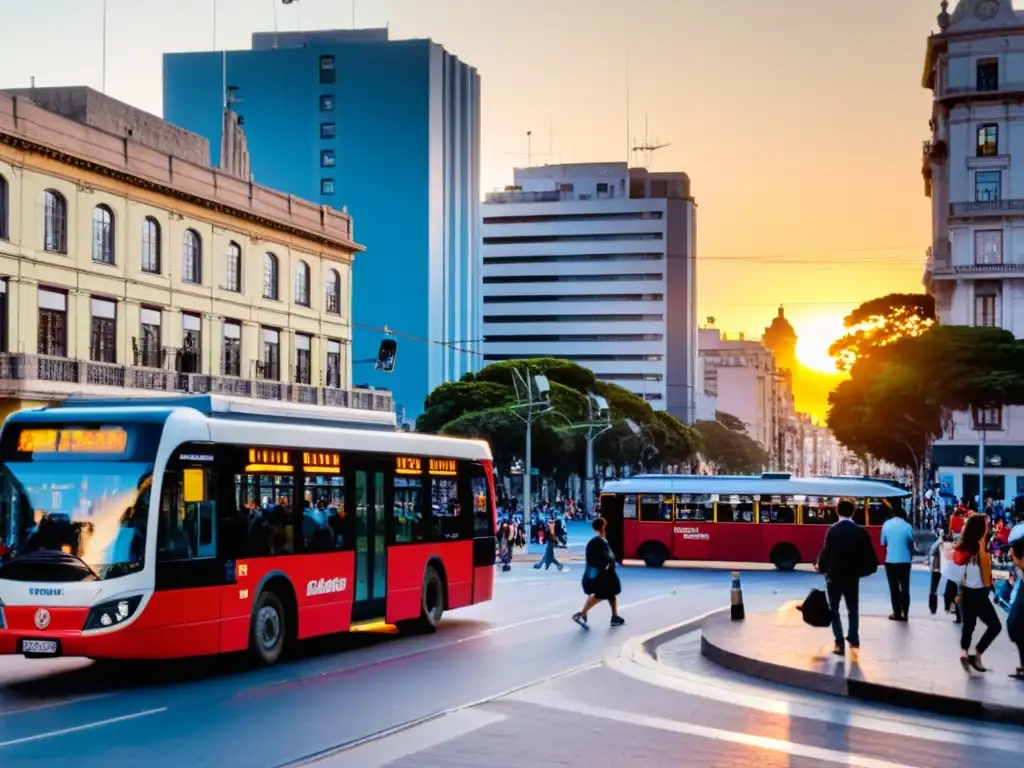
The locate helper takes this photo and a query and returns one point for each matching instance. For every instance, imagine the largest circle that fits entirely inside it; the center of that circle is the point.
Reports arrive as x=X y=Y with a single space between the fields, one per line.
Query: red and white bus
x=200 y=525
x=771 y=518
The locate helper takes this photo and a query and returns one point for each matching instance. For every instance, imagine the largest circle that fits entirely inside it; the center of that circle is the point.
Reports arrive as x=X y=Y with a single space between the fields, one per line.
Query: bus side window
x=879 y=510
x=820 y=511
x=651 y=509
x=776 y=509
x=735 y=509
x=629 y=507
x=691 y=508
x=445 y=510
x=483 y=504
x=187 y=528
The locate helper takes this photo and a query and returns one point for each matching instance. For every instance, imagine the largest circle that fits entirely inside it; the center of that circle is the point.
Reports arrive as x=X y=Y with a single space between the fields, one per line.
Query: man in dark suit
x=847 y=557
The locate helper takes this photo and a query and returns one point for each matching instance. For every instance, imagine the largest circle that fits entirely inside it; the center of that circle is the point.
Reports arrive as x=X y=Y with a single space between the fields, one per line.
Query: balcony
x=989 y=92
x=987 y=208
x=519 y=196
x=46 y=378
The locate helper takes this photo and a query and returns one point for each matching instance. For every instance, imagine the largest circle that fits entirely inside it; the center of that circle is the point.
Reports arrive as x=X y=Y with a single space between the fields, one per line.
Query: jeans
x=549 y=558
x=976 y=605
x=850 y=592
x=898 y=575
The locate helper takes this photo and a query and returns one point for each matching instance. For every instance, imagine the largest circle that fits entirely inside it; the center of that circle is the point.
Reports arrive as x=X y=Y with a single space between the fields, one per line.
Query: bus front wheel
x=267 y=630
x=654 y=554
x=432 y=597
x=785 y=557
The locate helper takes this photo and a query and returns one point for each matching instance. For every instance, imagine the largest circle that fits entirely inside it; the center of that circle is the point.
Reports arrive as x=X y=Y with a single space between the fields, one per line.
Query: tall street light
x=598 y=422
x=533 y=396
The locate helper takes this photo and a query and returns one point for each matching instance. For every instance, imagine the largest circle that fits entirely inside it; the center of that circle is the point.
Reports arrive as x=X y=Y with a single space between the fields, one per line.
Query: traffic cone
x=736 y=596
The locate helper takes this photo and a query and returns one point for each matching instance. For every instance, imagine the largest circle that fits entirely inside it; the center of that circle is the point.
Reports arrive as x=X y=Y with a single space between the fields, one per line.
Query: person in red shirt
x=956 y=520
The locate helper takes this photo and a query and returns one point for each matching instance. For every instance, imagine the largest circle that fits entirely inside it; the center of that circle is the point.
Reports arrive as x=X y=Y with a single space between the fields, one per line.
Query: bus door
x=371 y=555
x=611 y=511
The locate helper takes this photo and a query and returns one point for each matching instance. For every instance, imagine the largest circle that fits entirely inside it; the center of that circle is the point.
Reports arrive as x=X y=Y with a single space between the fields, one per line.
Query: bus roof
x=247 y=409
x=771 y=484
x=267 y=424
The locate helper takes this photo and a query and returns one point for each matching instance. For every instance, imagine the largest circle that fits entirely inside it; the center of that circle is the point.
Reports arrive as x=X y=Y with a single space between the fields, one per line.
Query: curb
x=536 y=558
x=860 y=690
x=643 y=650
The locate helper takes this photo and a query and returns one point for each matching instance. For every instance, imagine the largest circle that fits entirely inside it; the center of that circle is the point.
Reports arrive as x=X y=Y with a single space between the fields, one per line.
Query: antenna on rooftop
x=648 y=147
x=529 y=153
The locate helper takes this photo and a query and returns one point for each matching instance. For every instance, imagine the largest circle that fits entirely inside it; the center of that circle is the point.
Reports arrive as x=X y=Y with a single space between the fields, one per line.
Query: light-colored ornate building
x=129 y=265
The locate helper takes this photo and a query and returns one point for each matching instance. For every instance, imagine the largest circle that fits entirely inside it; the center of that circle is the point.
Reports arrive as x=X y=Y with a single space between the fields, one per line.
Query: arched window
x=192 y=257
x=55 y=222
x=151 y=245
x=270 y=276
x=5 y=210
x=233 y=268
x=103 y=234
x=302 y=283
x=332 y=292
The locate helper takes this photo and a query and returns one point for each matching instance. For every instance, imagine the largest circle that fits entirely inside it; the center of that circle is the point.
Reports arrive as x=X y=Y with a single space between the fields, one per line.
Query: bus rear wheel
x=432 y=596
x=654 y=554
x=785 y=557
x=267 y=629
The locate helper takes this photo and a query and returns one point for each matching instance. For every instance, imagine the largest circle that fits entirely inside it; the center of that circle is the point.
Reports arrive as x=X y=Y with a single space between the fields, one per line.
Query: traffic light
x=386 y=355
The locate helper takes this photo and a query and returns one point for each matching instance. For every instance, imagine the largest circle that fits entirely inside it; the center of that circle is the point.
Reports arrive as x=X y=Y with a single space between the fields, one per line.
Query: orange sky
x=799 y=121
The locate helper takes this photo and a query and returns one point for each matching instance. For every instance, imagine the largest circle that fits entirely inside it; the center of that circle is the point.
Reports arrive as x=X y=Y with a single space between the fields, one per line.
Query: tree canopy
x=880 y=322
x=480 y=405
x=728 y=446
x=907 y=373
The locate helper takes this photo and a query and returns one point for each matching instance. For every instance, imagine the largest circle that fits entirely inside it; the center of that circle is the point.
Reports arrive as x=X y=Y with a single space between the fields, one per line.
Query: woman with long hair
x=975 y=585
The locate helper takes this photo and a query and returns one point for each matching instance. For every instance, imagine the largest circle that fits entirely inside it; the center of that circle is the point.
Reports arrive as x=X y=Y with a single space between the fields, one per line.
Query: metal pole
x=588 y=494
x=981 y=472
x=527 y=506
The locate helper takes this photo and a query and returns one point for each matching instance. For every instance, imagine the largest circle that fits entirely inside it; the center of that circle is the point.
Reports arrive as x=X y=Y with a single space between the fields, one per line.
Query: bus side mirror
x=386 y=355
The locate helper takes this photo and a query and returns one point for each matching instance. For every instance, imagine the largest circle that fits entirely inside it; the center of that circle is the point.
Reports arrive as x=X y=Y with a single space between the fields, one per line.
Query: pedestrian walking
x=975 y=584
x=1015 y=621
x=935 y=572
x=847 y=557
x=600 y=581
x=898 y=540
x=549 y=558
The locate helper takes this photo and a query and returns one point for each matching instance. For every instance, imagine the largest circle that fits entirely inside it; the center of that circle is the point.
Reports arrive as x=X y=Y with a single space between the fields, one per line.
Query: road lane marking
x=383 y=751
x=631 y=660
x=77 y=728
x=792 y=749
x=65 y=703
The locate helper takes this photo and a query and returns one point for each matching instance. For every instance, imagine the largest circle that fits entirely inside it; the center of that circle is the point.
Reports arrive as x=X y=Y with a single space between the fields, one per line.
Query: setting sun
x=813 y=340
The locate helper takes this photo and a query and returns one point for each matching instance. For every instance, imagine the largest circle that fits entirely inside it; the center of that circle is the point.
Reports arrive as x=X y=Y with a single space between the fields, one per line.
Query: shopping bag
x=815 y=609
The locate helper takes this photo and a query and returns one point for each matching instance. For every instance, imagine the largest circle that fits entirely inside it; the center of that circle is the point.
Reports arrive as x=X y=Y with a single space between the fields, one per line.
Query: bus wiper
x=50 y=557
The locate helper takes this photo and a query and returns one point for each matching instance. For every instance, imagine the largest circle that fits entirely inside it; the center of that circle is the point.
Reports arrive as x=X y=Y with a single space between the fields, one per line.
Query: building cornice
x=34 y=147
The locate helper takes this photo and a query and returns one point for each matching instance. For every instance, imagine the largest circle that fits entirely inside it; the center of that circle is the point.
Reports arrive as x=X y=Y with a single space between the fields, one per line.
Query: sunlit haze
x=814 y=337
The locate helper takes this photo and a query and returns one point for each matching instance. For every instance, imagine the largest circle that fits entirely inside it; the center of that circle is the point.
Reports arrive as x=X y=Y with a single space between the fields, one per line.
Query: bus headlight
x=112 y=613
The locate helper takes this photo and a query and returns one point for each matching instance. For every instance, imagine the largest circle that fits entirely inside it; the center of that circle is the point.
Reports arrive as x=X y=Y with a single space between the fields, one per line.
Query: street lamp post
x=596 y=405
x=533 y=395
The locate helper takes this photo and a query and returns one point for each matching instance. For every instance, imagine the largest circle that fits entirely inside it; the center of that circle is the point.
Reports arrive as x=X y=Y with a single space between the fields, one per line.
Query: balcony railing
x=987 y=208
x=19 y=371
x=972 y=91
x=987 y=269
x=519 y=196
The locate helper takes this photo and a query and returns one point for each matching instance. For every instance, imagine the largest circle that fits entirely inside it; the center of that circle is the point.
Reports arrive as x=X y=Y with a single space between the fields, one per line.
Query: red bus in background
x=199 y=525
x=771 y=518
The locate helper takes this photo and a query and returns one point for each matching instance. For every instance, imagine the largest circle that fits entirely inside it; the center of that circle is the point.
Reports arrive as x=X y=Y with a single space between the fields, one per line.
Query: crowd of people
x=961 y=564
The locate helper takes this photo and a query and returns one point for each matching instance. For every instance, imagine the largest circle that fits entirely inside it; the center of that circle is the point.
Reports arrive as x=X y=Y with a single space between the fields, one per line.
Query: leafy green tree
x=880 y=322
x=730 y=449
x=456 y=398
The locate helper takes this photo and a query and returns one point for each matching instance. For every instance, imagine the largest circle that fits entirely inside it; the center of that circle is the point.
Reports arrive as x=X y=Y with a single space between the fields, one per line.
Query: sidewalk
x=913 y=664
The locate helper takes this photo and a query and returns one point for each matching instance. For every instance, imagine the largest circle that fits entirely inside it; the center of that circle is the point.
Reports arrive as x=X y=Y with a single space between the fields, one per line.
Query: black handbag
x=815 y=609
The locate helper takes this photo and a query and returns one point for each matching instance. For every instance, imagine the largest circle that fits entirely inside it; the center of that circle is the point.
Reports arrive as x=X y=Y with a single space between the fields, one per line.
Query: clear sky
x=799 y=121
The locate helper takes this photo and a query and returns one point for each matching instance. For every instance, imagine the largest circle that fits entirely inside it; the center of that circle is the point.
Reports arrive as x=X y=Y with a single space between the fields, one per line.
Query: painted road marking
x=65 y=703
x=632 y=661
x=433 y=733
x=545 y=699
x=77 y=728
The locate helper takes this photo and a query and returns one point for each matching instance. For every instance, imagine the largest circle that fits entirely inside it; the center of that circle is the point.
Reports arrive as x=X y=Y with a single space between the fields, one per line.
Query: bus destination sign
x=443 y=467
x=269 y=460
x=324 y=462
x=72 y=441
x=408 y=465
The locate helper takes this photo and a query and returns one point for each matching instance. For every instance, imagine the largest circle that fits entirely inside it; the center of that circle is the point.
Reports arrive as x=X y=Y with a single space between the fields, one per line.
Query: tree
x=878 y=323
x=455 y=398
x=730 y=449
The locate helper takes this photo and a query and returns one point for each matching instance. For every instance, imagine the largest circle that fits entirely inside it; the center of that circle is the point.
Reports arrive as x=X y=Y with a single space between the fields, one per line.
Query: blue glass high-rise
x=390 y=130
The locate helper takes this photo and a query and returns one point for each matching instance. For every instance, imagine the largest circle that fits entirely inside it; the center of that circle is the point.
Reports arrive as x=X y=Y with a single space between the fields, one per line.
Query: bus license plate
x=41 y=647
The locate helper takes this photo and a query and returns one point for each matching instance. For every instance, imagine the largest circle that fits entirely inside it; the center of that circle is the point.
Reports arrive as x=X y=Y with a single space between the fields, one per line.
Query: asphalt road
x=535 y=676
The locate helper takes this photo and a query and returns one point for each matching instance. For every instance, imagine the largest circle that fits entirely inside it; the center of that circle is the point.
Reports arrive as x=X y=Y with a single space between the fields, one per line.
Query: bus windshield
x=96 y=512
